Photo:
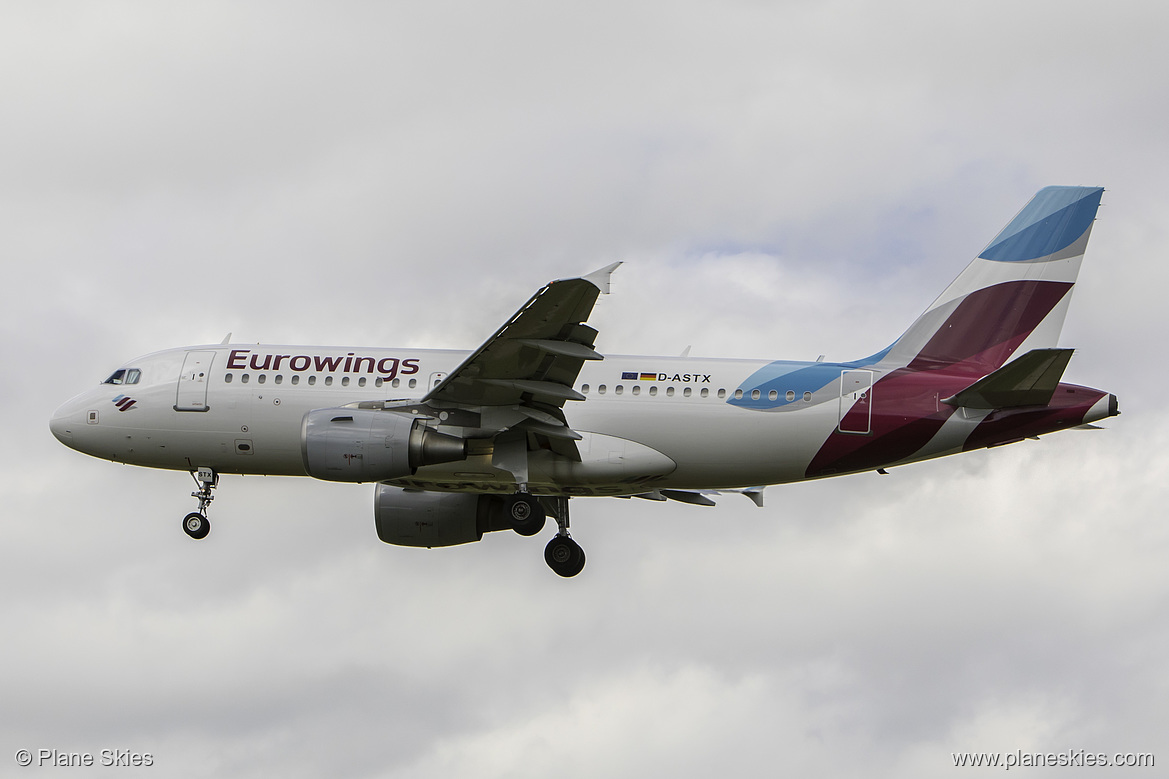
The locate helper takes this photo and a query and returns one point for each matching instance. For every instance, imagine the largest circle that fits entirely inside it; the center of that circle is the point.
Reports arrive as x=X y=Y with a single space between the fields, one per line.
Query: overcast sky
x=782 y=180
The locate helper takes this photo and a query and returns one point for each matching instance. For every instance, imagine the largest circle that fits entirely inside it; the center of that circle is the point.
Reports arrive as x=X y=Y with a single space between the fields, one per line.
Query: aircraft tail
x=1013 y=296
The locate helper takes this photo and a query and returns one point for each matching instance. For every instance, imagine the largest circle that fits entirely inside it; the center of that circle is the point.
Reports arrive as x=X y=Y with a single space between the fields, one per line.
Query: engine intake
x=357 y=445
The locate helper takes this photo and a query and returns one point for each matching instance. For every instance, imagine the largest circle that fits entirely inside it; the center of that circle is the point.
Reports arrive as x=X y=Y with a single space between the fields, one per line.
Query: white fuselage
x=646 y=422
x=243 y=415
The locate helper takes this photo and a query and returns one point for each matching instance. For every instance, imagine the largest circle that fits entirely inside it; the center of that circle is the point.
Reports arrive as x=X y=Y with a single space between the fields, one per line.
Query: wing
x=531 y=363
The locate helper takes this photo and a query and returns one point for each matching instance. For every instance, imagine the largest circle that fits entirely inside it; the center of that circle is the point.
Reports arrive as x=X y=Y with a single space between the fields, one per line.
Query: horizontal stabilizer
x=1029 y=380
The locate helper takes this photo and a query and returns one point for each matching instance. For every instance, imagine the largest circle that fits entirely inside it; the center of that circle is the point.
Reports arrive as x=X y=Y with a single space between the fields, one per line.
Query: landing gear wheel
x=525 y=514
x=564 y=556
x=196 y=525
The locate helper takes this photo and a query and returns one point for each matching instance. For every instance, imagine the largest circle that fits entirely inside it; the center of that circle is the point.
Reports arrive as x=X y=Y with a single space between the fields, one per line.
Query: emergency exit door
x=856 y=401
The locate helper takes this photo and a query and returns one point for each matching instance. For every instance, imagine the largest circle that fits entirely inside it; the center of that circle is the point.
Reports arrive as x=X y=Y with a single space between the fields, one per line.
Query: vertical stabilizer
x=1014 y=294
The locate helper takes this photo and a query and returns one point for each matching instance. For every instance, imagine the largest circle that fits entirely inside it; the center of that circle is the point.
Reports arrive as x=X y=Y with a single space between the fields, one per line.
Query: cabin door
x=192 y=395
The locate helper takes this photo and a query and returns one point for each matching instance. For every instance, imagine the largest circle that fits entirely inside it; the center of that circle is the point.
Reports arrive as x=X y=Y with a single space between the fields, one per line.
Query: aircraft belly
x=950 y=437
x=721 y=446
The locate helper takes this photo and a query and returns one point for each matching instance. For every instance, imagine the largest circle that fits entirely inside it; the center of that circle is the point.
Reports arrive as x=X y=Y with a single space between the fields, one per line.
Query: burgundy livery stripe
x=991 y=323
x=1069 y=405
x=977 y=338
x=126 y=403
x=915 y=396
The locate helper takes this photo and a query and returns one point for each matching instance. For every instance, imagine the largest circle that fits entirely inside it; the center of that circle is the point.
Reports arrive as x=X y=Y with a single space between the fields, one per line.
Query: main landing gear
x=526 y=514
x=195 y=524
x=563 y=555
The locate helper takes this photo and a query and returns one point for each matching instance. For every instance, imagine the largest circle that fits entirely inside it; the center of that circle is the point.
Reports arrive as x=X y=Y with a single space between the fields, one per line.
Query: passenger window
x=279 y=379
x=345 y=381
x=807 y=397
x=261 y=378
x=243 y=379
x=722 y=393
x=686 y=392
x=379 y=381
x=738 y=394
x=312 y=380
x=773 y=395
x=584 y=388
x=295 y=378
x=754 y=394
x=653 y=391
x=396 y=383
x=361 y=382
x=328 y=381
x=413 y=383
x=705 y=392
x=636 y=389
x=227 y=378
x=601 y=389
x=790 y=396
x=669 y=392
x=619 y=389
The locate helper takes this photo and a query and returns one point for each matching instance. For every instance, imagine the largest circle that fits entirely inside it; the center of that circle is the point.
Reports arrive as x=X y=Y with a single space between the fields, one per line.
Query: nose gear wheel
x=195 y=524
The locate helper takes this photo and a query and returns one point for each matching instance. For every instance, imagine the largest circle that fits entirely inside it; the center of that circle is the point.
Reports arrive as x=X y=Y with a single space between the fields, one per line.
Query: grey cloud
x=783 y=180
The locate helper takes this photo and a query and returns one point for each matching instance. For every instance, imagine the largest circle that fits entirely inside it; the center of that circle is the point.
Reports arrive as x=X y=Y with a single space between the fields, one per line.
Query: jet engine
x=413 y=518
x=356 y=445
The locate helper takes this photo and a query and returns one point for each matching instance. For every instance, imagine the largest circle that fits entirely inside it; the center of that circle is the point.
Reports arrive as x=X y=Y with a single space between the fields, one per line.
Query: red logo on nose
x=124 y=403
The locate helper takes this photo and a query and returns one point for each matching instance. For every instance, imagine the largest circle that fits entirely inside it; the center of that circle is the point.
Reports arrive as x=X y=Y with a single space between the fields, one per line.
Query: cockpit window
x=124 y=376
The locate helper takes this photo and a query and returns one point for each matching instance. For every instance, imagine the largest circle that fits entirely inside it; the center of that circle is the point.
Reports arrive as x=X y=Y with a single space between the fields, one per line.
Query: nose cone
x=61 y=426
x=69 y=421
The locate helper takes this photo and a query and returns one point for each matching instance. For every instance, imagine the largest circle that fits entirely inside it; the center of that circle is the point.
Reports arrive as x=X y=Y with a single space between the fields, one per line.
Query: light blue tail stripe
x=1054 y=219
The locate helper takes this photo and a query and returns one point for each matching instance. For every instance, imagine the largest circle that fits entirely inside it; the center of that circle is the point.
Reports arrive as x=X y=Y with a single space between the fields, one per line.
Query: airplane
x=458 y=444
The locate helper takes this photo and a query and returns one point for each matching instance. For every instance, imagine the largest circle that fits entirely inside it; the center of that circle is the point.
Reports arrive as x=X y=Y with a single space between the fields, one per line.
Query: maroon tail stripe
x=987 y=320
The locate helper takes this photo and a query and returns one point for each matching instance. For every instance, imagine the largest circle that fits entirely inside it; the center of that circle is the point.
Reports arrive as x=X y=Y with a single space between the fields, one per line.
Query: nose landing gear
x=195 y=524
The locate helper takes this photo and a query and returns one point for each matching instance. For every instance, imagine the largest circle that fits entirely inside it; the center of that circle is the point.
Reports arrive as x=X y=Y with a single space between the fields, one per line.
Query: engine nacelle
x=411 y=518
x=343 y=444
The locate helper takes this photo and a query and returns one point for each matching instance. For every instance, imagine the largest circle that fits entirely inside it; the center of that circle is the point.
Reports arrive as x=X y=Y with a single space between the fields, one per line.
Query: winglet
x=600 y=278
x=226 y=340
